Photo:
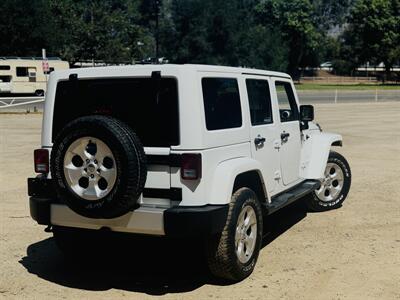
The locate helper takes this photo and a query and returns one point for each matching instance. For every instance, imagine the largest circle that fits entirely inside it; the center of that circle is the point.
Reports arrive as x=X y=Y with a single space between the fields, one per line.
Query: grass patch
x=314 y=86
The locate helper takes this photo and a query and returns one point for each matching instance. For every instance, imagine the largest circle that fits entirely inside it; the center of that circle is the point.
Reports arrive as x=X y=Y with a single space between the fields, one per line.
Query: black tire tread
x=220 y=257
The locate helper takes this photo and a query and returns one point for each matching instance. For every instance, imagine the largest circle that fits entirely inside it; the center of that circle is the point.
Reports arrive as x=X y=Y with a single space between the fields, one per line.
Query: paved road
x=329 y=96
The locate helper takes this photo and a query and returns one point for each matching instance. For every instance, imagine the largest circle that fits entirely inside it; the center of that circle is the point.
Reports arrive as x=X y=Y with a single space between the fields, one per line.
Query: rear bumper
x=176 y=221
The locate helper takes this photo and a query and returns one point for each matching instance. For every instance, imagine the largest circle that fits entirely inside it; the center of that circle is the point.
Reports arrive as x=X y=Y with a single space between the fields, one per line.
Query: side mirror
x=306 y=115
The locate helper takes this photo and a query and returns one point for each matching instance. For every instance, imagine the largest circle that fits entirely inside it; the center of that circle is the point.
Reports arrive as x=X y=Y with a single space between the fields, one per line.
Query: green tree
x=373 y=32
x=297 y=22
x=26 y=27
x=214 y=32
x=330 y=13
x=105 y=30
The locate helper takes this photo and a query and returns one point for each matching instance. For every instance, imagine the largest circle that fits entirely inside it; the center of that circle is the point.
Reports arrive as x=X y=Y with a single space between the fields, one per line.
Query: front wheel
x=233 y=254
x=334 y=187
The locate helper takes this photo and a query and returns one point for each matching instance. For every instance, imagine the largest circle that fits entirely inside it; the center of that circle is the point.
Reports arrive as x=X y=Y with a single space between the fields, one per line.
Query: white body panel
x=315 y=152
x=225 y=175
x=268 y=154
x=202 y=192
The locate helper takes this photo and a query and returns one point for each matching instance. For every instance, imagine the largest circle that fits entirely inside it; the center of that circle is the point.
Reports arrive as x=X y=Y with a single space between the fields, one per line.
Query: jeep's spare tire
x=99 y=167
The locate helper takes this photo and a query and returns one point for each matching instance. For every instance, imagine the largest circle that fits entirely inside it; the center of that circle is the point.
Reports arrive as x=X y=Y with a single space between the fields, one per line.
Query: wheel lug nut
x=87 y=161
x=92 y=176
x=95 y=161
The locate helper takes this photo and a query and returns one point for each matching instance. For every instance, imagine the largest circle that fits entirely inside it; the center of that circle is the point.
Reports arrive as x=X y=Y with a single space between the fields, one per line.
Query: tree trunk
x=386 y=75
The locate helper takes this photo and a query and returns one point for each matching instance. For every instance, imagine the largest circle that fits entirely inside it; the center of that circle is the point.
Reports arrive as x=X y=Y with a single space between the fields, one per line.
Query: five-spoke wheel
x=332 y=183
x=246 y=234
x=89 y=168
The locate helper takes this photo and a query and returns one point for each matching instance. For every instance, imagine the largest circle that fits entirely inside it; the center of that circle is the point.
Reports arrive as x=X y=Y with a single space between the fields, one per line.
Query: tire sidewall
x=340 y=161
x=246 y=198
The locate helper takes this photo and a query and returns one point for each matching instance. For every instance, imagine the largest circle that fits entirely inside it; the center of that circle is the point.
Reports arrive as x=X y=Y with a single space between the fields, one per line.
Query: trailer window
x=5 y=78
x=22 y=71
x=5 y=68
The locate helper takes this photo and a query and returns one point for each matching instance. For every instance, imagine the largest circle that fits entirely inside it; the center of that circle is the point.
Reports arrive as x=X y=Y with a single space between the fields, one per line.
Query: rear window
x=150 y=111
x=221 y=103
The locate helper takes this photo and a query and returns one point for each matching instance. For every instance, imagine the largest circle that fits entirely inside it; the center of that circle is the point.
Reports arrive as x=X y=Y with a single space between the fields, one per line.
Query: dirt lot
x=349 y=253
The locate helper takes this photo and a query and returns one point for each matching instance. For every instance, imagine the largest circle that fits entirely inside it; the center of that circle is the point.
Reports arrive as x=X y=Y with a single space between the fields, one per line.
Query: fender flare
x=225 y=175
x=315 y=153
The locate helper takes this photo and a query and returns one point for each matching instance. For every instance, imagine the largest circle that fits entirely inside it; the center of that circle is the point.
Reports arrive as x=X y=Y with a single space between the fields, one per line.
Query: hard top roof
x=183 y=67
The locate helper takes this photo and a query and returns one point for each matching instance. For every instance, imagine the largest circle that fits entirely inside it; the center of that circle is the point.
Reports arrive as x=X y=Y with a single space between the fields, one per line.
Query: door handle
x=259 y=141
x=285 y=136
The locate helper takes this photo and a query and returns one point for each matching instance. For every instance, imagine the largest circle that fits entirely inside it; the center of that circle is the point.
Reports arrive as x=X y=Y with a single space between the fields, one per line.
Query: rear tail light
x=41 y=158
x=191 y=166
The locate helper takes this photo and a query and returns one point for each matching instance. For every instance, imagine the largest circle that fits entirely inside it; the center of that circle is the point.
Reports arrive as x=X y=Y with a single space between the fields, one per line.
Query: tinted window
x=5 y=78
x=259 y=101
x=221 y=103
x=4 y=67
x=287 y=103
x=152 y=115
x=22 y=71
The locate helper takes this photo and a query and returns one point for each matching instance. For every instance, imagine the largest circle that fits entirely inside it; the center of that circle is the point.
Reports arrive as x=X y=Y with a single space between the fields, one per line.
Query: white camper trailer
x=27 y=75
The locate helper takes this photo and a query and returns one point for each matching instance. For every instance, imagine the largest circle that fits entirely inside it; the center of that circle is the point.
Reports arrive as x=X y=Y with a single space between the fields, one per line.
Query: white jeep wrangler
x=181 y=150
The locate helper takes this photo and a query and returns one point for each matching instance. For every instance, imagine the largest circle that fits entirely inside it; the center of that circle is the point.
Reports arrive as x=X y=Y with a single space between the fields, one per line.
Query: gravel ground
x=349 y=253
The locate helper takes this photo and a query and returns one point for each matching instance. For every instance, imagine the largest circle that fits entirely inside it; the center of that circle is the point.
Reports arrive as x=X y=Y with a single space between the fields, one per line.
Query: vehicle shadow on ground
x=153 y=266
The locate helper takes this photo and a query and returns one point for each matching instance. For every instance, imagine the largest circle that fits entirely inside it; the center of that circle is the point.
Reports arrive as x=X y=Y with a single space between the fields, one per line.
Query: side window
x=221 y=103
x=288 y=110
x=259 y=101
x=5 y=67
x=22 y=72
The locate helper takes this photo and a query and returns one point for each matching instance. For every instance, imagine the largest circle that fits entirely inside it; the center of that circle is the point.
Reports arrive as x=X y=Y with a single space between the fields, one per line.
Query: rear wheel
x=334 y=187
x=233 y=254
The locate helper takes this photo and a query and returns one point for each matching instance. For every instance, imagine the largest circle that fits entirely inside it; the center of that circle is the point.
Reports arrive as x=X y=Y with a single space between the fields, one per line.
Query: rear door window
x=221 y=103
x=259 y=101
